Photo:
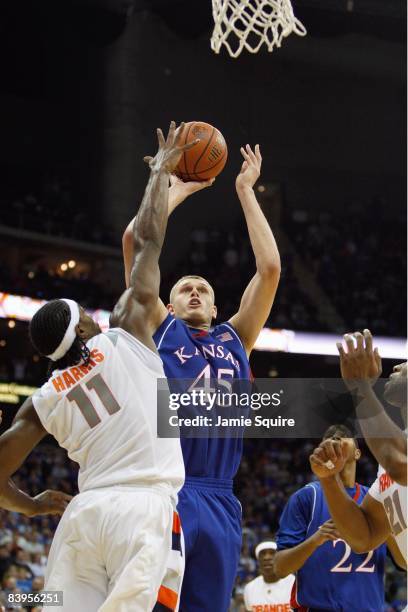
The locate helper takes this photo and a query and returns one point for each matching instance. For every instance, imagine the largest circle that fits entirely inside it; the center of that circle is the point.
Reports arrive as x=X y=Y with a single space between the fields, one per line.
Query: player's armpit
x=255 y=306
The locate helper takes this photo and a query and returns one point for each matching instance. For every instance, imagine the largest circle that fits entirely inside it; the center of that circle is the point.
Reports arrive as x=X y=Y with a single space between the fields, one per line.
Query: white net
x=248 y=24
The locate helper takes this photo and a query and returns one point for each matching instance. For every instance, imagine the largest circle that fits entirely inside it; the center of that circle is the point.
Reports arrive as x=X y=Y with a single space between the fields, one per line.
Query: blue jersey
x=334 y=577
x=198 y=355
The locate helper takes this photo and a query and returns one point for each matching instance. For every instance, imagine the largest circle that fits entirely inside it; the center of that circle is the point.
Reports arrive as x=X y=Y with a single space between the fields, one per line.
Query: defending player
x=190 y=349
x=384 y=511
x=114 y=542
x=329 y=575
x=360 y=367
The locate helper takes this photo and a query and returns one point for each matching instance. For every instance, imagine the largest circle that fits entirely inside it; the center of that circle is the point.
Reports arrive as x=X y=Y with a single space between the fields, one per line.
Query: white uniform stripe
x=164 y=333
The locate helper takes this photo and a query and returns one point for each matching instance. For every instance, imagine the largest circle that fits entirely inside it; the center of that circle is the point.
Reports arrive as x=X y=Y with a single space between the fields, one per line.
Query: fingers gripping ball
x=207 y=159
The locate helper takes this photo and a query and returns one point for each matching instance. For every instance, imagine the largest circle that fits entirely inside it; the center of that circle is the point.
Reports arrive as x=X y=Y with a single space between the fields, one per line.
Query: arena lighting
x=283 y=340
x=11 y=393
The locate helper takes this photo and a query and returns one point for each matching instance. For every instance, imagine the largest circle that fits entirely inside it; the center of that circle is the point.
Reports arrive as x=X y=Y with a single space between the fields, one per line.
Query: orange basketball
x=207 y=158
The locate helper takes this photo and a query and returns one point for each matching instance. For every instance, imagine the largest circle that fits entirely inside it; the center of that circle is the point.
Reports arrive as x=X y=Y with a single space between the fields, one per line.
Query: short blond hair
x=183 y=278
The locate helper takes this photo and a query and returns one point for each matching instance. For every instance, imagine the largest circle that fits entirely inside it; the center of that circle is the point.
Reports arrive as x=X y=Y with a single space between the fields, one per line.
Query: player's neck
x=269 y=578
x=201 y=326
x=348 y=475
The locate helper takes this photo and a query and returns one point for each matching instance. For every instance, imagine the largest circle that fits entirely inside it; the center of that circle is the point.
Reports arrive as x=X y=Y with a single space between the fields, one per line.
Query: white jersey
x=269 y=596
x=105 y=416
x=393 y=497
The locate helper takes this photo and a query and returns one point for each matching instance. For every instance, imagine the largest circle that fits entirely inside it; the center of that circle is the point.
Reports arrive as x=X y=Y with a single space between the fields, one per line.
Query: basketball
x=207 y=159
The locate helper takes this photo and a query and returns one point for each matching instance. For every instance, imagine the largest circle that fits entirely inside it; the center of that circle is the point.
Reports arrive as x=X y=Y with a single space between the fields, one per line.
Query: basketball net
x=249 y=24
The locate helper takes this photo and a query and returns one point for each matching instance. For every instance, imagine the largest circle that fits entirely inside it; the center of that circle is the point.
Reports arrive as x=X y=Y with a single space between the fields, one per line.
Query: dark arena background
x=83 y=85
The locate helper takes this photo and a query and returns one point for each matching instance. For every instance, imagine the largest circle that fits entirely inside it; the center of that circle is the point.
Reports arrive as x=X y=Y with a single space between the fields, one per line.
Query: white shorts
x=114 y=551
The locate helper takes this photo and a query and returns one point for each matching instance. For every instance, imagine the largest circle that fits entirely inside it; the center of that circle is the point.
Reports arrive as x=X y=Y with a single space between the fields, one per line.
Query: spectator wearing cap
x=267 y=593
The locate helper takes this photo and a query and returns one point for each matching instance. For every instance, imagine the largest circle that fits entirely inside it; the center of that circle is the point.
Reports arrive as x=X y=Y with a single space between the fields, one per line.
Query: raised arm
x=360 y=368
x=258 y=297
x=15 y=445
x=138 y=309
x=178 y=192
x=364 y=527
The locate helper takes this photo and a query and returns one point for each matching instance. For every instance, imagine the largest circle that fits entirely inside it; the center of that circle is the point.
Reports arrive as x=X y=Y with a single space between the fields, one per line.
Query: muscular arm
x=396 y=554
x=258 y=297
x=15 y=445
x=136 y=311
x=364 y=527
x=177 y=193
x=386 y=440
x=360 y=366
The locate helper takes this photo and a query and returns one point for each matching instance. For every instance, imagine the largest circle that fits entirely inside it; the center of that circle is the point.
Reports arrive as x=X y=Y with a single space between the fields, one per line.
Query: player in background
x=117 y=546
x=329 y=575
x=191 y=349
x=384 y=511
x=267 y=591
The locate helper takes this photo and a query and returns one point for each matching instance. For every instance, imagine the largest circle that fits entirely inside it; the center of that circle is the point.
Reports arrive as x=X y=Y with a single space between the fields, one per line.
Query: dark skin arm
x=396 y=553
x=136 y=310
x=290 y=560
x=364 y=527
x=15 y=445
x=360 y=368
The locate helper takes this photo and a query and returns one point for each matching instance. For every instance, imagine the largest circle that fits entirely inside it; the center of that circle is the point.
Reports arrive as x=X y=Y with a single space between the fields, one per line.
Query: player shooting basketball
x=120 y=534
x=190 y=349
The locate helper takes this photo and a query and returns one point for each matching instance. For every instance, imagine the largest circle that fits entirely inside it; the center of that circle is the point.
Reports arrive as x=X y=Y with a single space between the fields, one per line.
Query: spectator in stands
x=267 y=591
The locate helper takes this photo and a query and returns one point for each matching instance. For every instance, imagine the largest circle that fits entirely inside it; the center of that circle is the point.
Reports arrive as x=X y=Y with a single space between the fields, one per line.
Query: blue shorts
x=210 y=517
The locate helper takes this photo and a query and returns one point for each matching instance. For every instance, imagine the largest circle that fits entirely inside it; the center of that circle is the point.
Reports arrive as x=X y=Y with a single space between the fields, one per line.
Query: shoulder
x=117 y=337
x=170 y=324
x=307 y=494
x=226 y=332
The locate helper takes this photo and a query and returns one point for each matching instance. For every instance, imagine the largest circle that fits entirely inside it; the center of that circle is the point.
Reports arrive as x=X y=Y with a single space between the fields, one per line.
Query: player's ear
x=80 y=331
x=214 y=312
x=170 y=308
x=357 y=454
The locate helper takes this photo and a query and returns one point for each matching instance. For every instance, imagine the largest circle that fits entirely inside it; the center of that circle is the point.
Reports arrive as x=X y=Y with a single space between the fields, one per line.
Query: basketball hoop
x=249 y=24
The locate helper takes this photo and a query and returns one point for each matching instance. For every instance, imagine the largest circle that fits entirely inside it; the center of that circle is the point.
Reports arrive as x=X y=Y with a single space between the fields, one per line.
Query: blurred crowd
x=25 y=542
x=357 y=254
x=269 y=474
x=41 y=283
x=49 y=208
x=226 y=259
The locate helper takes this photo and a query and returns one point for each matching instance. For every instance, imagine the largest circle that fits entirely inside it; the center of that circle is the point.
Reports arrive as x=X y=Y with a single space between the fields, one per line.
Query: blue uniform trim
x=209 y=484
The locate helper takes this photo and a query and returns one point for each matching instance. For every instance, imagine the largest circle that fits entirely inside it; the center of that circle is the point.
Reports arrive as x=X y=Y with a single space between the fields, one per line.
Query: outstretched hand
x=51 y=502
x=179 y=190
x=329 y=458
x=170 y=150
x=359 y=362
x=250 y=169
